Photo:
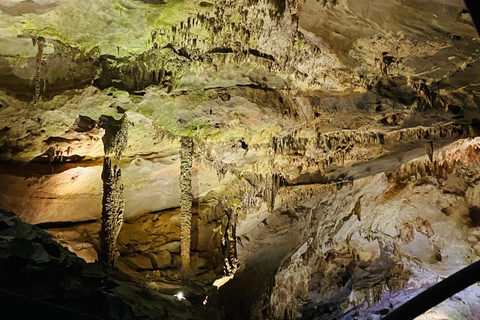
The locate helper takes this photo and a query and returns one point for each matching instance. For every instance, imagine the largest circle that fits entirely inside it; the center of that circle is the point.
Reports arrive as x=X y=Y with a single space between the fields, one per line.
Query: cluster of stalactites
x=438 y=164
x=252 y=34
x=340 y=147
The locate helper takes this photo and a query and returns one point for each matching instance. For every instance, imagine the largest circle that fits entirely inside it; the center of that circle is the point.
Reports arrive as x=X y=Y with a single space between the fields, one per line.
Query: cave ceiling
x=329 y=83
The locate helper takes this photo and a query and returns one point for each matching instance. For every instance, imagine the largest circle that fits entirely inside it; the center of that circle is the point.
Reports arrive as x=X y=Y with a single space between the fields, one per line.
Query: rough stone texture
x=113 y=201
x=186 y=199
x=33 y=265
x=339 y=137
x=149 y=245
x=113 y=205
x=403 y=242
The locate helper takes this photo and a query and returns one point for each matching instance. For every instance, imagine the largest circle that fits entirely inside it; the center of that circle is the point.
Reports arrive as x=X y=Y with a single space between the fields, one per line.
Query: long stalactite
x=113 y=202
x=186 y=198
x=40 y=42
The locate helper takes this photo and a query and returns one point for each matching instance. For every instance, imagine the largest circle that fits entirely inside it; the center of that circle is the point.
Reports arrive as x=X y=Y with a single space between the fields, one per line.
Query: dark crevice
x=280 y=5
x=253 y=52
x=51 y=140
x=152 y=1
x=221 y=50
x=63 y=224
x=30 y=169
x=257 y=53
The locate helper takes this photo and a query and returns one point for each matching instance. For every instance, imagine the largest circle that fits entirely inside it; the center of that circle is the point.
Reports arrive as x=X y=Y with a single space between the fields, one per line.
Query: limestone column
x=186 y=198
x=113 y=202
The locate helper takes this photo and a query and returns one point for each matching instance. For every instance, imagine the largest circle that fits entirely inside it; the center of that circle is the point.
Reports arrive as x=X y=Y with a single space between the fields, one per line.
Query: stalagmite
x=229 y=248
x=337 y=165
x=186 y=197
x=113 y=202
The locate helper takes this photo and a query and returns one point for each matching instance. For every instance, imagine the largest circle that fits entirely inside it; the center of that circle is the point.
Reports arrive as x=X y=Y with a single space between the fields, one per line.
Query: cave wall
x=336 y=139
x=361 y=248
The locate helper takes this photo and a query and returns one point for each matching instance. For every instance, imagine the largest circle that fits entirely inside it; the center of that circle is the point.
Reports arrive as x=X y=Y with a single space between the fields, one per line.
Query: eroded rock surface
x=335 y=154
x=411 y=233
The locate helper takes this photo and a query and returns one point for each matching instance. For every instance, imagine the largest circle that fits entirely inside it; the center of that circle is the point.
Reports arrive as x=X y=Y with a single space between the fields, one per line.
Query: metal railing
x=437 y=293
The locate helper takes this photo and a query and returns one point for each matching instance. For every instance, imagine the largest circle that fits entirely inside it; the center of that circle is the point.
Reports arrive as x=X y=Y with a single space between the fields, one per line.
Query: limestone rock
x=335 y=151
x=161 y=259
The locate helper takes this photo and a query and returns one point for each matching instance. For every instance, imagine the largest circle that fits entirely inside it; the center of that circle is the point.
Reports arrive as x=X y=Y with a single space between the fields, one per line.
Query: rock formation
x=186 y=199
x=113 y=202
x=297 y=159
x=37 y=271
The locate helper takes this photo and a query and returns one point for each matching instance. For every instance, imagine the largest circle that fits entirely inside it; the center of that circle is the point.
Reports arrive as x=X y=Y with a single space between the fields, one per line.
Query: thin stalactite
x=40 y=42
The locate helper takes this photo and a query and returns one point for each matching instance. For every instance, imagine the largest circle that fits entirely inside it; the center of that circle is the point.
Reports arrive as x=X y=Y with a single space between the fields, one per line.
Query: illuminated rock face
x=334 y=163
x=410 y=232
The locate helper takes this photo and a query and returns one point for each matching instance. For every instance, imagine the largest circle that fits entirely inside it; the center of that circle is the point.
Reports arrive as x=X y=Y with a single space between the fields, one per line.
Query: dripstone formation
x=267 y=159
x=113 y=203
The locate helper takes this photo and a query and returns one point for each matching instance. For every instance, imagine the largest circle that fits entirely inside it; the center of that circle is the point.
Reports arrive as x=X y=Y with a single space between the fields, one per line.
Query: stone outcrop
x=43 y=273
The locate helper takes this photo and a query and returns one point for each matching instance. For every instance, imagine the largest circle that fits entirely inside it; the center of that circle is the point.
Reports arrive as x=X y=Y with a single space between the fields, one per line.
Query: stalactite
x=113 y=202
x=270 y=189
x=186 y=197
x=40 y=41
x=429 y=150
x=343 y=147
